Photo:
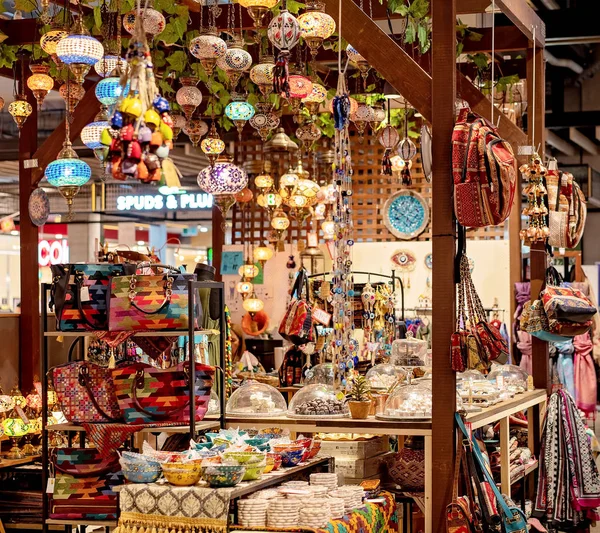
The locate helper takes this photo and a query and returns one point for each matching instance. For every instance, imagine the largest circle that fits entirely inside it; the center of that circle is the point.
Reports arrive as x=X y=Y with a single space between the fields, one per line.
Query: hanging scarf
x=564 y=365
x=524 y=346
x=568 y=484
x=585 y=374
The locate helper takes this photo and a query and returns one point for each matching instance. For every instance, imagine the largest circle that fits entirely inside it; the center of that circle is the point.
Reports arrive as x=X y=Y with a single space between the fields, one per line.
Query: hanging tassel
x=386 y=164
x=406 y=176
x=281 y=75
x=341 y=111
x=153 y=528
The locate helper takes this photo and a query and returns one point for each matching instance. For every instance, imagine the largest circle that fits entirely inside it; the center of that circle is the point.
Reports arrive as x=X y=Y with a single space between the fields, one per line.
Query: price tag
x=84 y=294
x=500 y=382
x=322 y=317
x=50 y=485
x=22 y=414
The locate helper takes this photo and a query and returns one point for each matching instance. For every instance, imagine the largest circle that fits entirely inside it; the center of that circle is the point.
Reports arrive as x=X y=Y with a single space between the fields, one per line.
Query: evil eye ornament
x=161 y=104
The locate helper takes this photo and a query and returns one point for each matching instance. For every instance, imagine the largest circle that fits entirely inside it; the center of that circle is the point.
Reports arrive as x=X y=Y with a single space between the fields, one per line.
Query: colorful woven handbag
x=297 y=323
x=567 y=304
x=83 y=484
x=143 y=302
x=147 y=394
x=407 y=467
x=85 y=392
x=79 y=294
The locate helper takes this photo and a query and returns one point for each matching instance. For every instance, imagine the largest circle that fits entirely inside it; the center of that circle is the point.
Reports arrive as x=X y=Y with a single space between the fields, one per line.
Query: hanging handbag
x=297 y=323
x=142 y=302
x=83 y=485
x=146 y=394
x=535 y=322
x=461 y=515
x=86 y=392
x=79 y=294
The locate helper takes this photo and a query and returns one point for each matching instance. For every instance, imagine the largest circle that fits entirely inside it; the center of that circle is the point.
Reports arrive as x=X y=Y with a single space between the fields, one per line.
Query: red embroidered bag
x=297 y=323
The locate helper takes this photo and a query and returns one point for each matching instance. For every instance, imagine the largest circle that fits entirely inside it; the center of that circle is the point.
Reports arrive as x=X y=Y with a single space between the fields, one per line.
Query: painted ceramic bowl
x=223 y=475
x=257 y=441
x=254 y=471
x=292 y=457
x=220 y=441
x=280 y=448
x=306 y=442
x=269 y=465
x=132 y=458
x=277 y=459
x=214 y=460
x=314 y=449
x=141 y=474
x=244 y=457
x=182 y=474
x=204 y=445
x=264 y=447
x=211 y=436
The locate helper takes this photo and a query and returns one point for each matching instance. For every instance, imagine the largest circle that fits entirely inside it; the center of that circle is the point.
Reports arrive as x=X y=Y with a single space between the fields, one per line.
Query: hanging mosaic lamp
x=195 y=129
x=223 y=180
x=90 y=134
x=284 y=34
x=309 y=189
x=253 y=304
x=72 y=93
x=315 y=25
x=359 y=61
x=388 y=138
x=248 y=270
x=40 y=83
x=239 y=112
x=108 y=64
x=179 y=122
x=287 y=183
x=262 y=75
x=378 y=117
x=258 y=9
x=208 y=47
x=244 y=288
x=153 y=21
x=317 y=96
x=20 y=109
x=264 y=181
x=280 y=223
x=68 y=173
x=108 y=90
x=264 y=121
x=308 y=134
x=49 y=41
x=212 y=145
x=189 y=96
x=328 y=228
x=299 y=87
x=269 y=200
x=262 y=254
x=363 y=116
x=80 y=51
x=235 y=62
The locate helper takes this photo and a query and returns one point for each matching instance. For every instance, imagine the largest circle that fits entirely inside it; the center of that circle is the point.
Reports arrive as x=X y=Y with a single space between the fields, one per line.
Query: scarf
x=585 y=374
x=564 y=365
x=568 y=484
x=524 y=346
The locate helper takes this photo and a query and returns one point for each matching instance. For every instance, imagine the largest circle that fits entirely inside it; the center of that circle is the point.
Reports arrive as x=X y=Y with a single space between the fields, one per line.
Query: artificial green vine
x=418 y=21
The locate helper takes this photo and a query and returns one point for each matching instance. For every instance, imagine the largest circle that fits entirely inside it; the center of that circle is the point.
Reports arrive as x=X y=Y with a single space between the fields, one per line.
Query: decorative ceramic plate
x=426 y=154
x=406 y=214
x=39 y=207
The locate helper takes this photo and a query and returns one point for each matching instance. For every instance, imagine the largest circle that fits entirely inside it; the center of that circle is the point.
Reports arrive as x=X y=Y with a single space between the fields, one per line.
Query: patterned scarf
x=569 y=484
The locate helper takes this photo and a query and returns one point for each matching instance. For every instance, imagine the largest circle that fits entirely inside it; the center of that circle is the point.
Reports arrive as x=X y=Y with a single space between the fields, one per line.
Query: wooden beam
x=29 y=326
x=524 y=18
x=467 y=7
x=443 y=96
x=85 y=112
x=218 y=239
x=508 y=39
x=597 y=132
x=582 y=141
x=377 y=47
x=564 y=147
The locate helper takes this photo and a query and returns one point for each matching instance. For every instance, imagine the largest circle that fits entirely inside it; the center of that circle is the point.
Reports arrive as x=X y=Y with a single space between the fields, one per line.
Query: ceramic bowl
x=257 y=441
x=220 y=441
x=204 y=445
x=264 y=447
x=244 y=457
x=223 y=475
x=214 y=460
x=269 y=465
x=277 y=459
x=306 y=442
x=141 y=474
x=280 y=448
x=211 y=436
x=254 y=471
x=182 y=474
x=292 y=457
x=314 y=449
x=132 y=458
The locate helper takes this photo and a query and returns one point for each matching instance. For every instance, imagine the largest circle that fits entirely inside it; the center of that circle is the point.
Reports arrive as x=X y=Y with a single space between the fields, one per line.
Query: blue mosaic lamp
x=239 y=112
x=109 y=90
x=90 y=134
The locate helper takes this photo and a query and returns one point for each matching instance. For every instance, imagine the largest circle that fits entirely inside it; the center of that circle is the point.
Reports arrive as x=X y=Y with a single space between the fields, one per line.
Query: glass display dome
x=409 y=402
x=508 y=377
x=257 y=399
x=409 y=351
x=323 y=374
x=382 y=377
x=317 y=401
x=474 y=389
x=214 y=405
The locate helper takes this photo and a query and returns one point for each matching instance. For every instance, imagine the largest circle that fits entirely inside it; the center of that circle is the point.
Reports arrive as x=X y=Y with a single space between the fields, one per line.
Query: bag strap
x=168 y=287
x=138 y=383
x=83 y=378
x=146 y=264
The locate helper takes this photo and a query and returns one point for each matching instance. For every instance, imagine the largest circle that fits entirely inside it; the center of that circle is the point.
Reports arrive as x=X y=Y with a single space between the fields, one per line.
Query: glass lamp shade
x=50 y=40
x=317 y=94
x=269 y=200
x=316 y=26
x=189 y=96
x=17 y=397
x=364 y=113
x=14 y=426
x=68 y=172
x=108 y=90
x=20 y=109
x=248 y=270
x=262 y=254
x=389 y=137
x=153 y=23
x=288 y=182
x=107 y=64
x=34 y=401
x=90 y=134
x=77 y=49
x=253 y=304
x=308 y=134
x=284 y=30
x=407 y=149
x=195 y=129
x=222 y=178
x=235 y=59
x=378 y=116
x=300 y=86
x=308 y=188
x=267 y=4
x=328 y=227
x=244 y=196
x=262 y=74
x=239 y=110
x=263 y=181
x=280 y=221
x=212 y=145
x=6 y=403
x=179 y=122
x=39 y=82
x=208 y=45
x=296 y=201
x=264 y=123
x=244 y=288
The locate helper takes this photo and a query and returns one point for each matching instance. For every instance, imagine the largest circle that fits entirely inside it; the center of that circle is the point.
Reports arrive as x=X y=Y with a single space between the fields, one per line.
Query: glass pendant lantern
x=90 y=134
x=264 y=121
x=328 y=228
x=363 y=116
x=208 y=47
x=244 y=288
x=49 y=41
x=359 y=61
x=308 y=134
x=263 y=181
x=212 y=145
x=315 y=25
x=280 y=223
x=40 y=83
x=153 y=22
x=223 y=180
x=72 y=93
x=189 y=96
x=79 y=51
x=248 y=270
x=317 y=96
x=108 y=64
x=20 y=109
x=287 y=183
x=258 y=9
x=179 y=122
x=262 y=254
x=300 y=87
x=262 y=75
x=109 y=90
x=253 y=304
x=239 y=112
x=270 y=200
x=235 y=62
x=378 y=117
x=195 y=129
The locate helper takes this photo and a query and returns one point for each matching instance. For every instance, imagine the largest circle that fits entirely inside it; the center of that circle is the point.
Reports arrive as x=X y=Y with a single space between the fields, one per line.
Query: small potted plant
x=359 y=397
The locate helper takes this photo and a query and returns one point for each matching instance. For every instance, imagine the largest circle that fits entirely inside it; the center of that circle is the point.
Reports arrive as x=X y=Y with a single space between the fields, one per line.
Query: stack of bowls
x=223 y=475
x=138 y=468
x=254 y=462
x=291 y=454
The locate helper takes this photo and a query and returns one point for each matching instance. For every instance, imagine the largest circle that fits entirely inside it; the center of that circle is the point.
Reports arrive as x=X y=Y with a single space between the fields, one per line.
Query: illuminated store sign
x=157 y=202
x=53 y=252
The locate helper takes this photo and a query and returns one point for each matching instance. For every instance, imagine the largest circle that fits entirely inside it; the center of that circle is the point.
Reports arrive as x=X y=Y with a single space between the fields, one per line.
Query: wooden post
x=443 y=95
x=29 y=330
x=218 y=238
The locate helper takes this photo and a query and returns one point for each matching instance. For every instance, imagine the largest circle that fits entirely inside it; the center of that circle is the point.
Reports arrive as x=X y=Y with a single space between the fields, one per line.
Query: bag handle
x=301 y=279
x=168 y=289
x=84 y=380
x=149 y=264
x=138 y=383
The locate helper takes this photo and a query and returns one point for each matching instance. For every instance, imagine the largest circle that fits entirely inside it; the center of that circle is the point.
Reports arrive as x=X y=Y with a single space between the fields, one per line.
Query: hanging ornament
x=315 y=26
x=284 y=33
x=235 y=62
x=262 y=75
x=535 y=173
x=223 y=180
x=269 y=200
x=363 y=115
x=264 y=121
x=359 y=61
x=39 y=82
x=258 y=9
x=315 y=98
x=20 y=109
x=105 y=66
x=388 y=138
x=239 y=112
x=179 y=122
x=195 y=129
x=308 y=134
x=79 y=50
x=153 y=21
x=280 y=223
x=378 y=117
x=189 y=96
x=244 y=288
x=248 y=270
x=405 y=261
x=208 y=47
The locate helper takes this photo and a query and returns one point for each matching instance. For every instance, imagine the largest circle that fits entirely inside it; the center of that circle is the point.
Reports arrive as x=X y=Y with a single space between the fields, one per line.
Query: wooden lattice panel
x=370 y=192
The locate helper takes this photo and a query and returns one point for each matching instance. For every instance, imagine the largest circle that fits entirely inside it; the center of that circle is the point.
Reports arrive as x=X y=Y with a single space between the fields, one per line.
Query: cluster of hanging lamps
x=223 y=180
x=40 y=82
x=189 y=96
x=235 y=62
x=80 y=51
x=315 y=25
x=208 y=47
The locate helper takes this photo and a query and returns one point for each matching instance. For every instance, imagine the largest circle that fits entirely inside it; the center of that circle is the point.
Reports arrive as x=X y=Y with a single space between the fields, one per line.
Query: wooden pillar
x=218 y=238
x=536 y=92
x=30 y=330
x=443 y=236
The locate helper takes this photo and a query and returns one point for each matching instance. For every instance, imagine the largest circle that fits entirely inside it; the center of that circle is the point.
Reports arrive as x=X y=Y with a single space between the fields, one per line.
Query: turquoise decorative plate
x=406 y=214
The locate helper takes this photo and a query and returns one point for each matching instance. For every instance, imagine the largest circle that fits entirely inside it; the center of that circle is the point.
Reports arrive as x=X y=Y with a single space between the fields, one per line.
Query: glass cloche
x=382 y=377
x=316 y=401
x=323 y=374
x=256 y=399
x=508 y=377
x=214 y=405
x=409 y=402
x=409 y=351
